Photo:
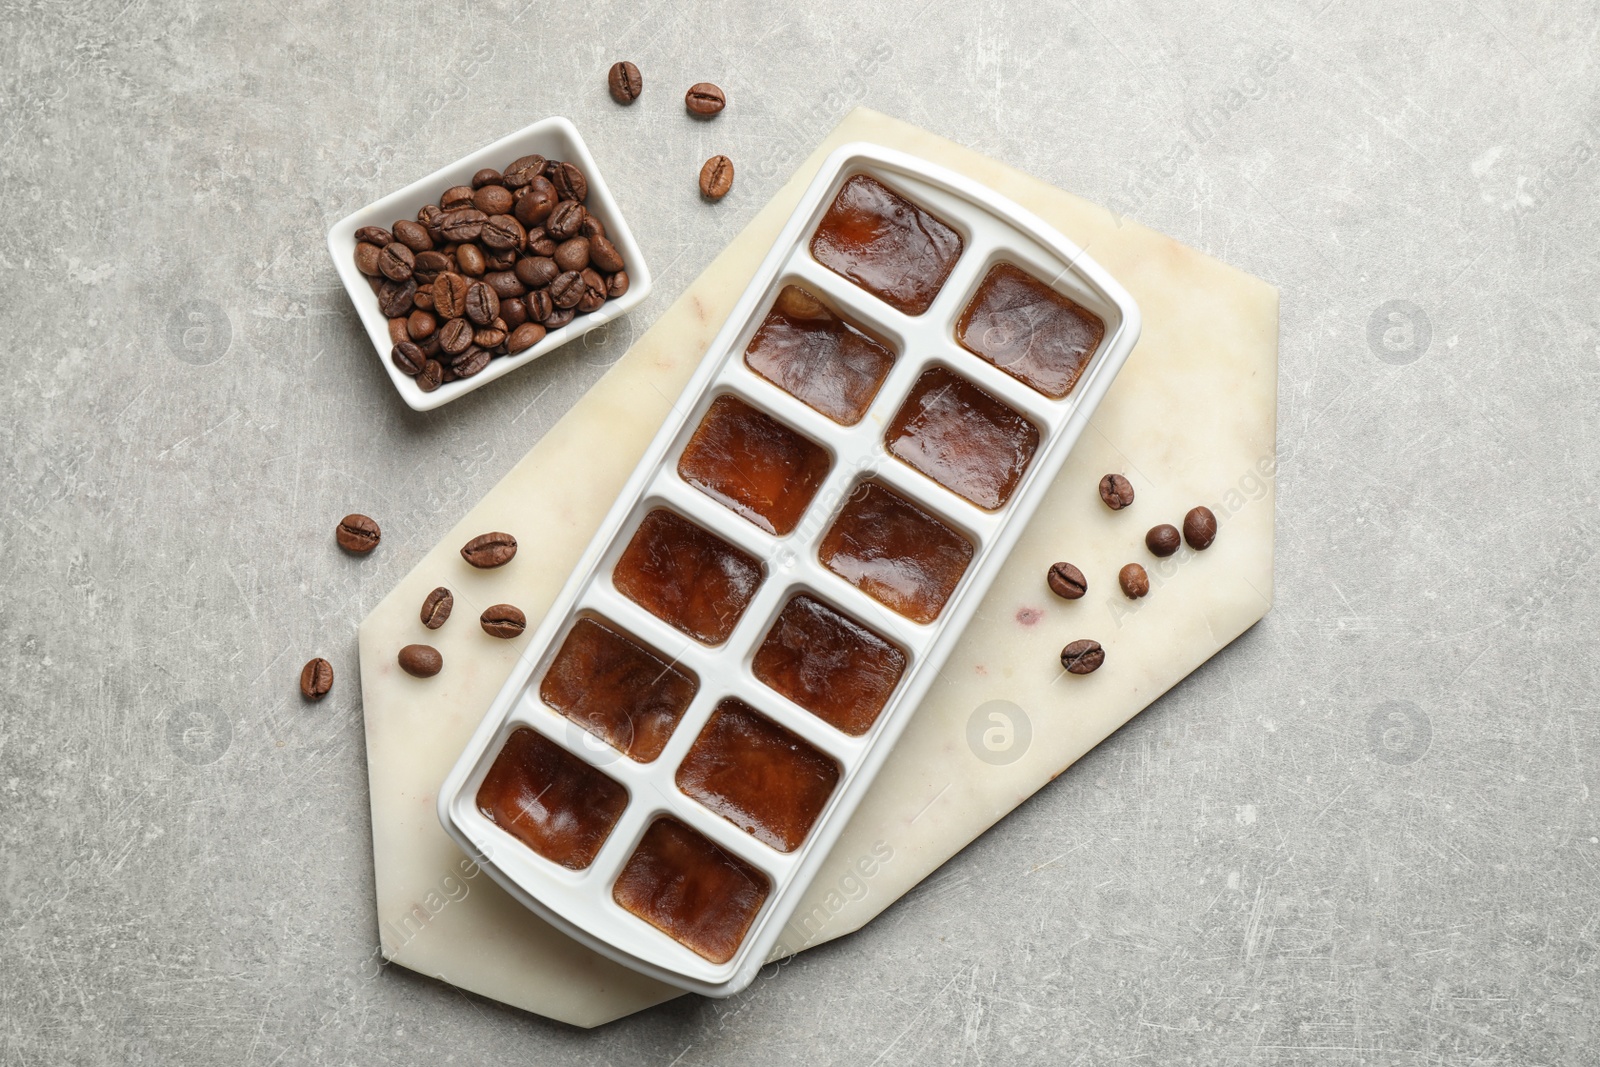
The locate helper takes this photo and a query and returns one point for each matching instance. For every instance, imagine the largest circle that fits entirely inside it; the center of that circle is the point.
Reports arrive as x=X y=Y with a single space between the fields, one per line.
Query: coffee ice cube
x=754 y=464
x=829 y=664
x=687 y=576
x=963 y=438
x=550 y=800
x=618 y=690
x=895 y=552
x=884 y=243
x=823 y=360
x=1030 y=331
x=692 y=890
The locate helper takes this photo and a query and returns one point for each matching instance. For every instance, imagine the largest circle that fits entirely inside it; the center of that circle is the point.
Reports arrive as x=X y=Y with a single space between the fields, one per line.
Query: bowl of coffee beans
x=487 y=264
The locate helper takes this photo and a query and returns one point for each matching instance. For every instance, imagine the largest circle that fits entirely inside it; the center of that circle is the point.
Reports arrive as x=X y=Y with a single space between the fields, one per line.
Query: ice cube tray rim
x=642 y=946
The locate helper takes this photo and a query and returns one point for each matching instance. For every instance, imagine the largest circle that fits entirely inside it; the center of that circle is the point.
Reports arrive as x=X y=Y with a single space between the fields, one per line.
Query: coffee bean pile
x=489 y=269
x=1067 y=581
x=359 y=535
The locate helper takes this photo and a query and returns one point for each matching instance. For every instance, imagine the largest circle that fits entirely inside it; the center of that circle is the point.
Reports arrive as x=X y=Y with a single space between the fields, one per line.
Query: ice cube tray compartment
x=581 y=902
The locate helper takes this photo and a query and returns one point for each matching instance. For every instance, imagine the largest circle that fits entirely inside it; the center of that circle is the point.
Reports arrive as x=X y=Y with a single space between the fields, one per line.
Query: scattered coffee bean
x=1067 y=581
x=436 y=608
x=1083 y=657
x=1162 y=540
x=1116 y=491
x=1200 y=528
x=1134 y=581
x=705 y=99
x=624 y=82
x=716 y=177
x=316 y=678
x=357 y=533
x=490 y=550
x=503 y=620
x=421 y=661
x=524 y=337
x=408 y=358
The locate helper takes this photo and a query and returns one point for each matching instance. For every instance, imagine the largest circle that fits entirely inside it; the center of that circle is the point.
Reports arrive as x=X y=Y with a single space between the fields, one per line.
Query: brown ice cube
x=618 y=690
x=754 y=464
x=1030 y=331
x=963 y=438
x=763 y=778
x=895 y=552
x=886 y=244
x=829 y=664
x=821 y=359
x=695 y=892
x=550 y=800
x=687 y=576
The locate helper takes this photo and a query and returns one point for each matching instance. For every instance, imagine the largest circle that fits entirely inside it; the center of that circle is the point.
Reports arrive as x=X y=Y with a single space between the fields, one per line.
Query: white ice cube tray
x=993 y=230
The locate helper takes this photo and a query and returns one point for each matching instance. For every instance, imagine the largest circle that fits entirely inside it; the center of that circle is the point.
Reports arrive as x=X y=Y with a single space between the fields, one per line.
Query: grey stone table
x=1364 y=833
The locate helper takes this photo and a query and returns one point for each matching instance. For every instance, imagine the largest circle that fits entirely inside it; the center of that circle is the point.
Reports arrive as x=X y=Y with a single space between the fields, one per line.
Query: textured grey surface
x=1365 y=833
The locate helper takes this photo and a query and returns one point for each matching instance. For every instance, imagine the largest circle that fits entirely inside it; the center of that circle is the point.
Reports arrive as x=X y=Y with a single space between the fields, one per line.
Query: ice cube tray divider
x=992 y=229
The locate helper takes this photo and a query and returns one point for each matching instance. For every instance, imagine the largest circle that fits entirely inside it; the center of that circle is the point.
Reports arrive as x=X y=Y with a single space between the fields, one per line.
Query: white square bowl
x=553 y=138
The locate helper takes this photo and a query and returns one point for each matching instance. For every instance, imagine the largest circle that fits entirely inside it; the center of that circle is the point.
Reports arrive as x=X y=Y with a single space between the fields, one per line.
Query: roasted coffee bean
x=462 y=224
x=592 y=227
x=1083 y=657
x=450 y=295
x=1134 y=581
x=455 y=337
x=493 y=200
x=430 y=265
x=428 y=217
x=522 y=171
x=489 y=550
x=503 y=620
x=413 y=235
x=1162 y=540
x=1116 y=491
x=374 y=235
x=624 y=82
x=469 y=260
x=446 y=376
x=501 y=232
x=421 y=661
x=524 y=337
x=430 y=346
x=536 y=272
x=604 y=255
x=431 y=377
x=564 y=221
x=497 y=259
x=544 y=246
x=704 y=99
x=394 y=299
x=316 y=677
x=535 y=201
x=513 y=311
x=375 y=282
x=567 y=289
x=396 y=261
x=420 y=325
x=357 y=533
x=558 y=318
x=367 y=257
x=1067 y=581
x=616 y=284
x=482 y=306
x=716 y=177
x=594 y=291
x=399 y=331
x=1200 y=528
x=456 y=197
x=470 y=362
x=423 y=297
x=505 y=285
x=436 y=608
x=573 y=253
x=569 y=181
x=540 y=306
x=407 y=358
x=486 y=176
x=490 y=336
